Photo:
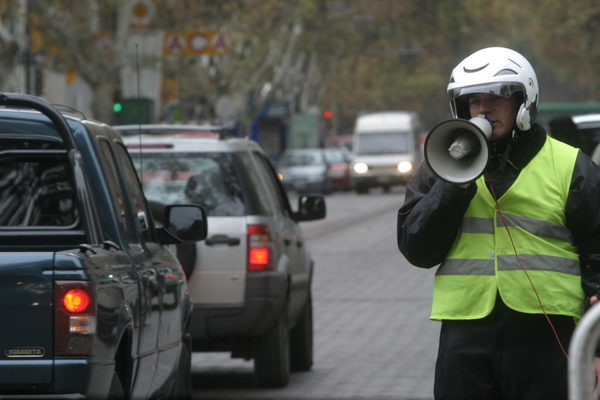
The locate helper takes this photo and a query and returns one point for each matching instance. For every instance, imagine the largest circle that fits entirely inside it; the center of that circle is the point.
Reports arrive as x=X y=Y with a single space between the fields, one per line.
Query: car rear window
x=334 y=157
x=36 y=193
x=207 y=179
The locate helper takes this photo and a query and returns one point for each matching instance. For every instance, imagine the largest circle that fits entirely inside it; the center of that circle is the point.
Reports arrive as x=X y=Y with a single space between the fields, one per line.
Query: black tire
x=301 y=340
x=116 y=390
x=181 y=387
x=272 y=355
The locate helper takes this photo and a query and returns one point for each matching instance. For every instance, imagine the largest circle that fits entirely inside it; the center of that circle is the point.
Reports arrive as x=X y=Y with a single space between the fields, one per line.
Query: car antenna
x=138 y=113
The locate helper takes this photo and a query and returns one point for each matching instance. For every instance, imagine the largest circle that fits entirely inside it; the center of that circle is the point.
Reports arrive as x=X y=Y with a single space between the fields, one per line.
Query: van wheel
x=116 y=387
x=301 y=339
x=272 y=355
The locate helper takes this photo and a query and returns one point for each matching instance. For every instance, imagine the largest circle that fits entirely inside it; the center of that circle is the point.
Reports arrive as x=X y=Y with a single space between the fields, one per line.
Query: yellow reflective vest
x=482 y=261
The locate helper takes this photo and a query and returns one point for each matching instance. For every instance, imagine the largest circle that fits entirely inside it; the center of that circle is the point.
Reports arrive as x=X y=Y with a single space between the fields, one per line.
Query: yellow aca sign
x=194 y=43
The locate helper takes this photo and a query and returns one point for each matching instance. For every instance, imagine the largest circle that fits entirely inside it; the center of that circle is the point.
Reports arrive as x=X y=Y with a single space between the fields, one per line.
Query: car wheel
x=272 y=355
x=116 y=390
x=181 y=387
x=301 y=339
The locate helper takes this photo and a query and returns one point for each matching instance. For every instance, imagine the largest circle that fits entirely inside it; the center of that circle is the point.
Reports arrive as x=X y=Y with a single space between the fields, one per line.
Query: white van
x=386 y=149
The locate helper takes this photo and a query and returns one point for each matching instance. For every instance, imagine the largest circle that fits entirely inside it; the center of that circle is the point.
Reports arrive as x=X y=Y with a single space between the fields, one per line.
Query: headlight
x=360 y=167
x=404 y=166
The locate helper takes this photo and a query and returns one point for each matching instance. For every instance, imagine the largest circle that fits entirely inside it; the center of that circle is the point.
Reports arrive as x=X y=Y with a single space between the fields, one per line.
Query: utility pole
x=23 y=40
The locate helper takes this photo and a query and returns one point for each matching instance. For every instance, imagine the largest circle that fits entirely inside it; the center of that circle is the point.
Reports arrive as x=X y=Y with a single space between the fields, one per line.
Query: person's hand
x=593 y=300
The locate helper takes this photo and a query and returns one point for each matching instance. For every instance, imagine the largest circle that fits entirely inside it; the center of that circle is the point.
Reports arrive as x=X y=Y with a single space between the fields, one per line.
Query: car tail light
x=74 y=318
x=259 y=248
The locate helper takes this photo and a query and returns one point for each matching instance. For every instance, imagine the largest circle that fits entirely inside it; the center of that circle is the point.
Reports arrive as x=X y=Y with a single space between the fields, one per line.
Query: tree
x=345 y=55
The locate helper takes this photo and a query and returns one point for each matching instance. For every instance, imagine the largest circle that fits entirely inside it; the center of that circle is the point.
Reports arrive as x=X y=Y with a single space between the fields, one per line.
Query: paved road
x=372 y=336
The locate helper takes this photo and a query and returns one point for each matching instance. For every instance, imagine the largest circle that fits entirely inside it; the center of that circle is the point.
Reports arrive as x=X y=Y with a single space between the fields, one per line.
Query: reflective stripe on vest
x=532 y=262
x=531 y=225
x=482 y=260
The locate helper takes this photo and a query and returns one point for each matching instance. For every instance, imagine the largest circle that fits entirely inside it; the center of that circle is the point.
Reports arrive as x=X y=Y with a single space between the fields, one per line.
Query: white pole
x=581 y=355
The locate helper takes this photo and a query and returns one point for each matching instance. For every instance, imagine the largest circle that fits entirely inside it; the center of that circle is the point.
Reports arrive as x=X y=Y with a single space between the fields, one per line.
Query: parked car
x=588 y=126
x=314 y=170
x=251 y=279
x=94 y=303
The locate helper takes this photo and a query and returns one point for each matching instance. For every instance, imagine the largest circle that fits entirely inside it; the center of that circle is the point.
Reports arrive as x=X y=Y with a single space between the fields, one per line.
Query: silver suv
x=250 y=280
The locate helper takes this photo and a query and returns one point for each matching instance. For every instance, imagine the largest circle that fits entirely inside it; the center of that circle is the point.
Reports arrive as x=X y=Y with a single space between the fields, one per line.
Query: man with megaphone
x=512 y=218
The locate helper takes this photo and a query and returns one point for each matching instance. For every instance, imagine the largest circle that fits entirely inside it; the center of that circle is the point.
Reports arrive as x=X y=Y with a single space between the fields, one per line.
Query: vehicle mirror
x=310 y=208
x=187 y=222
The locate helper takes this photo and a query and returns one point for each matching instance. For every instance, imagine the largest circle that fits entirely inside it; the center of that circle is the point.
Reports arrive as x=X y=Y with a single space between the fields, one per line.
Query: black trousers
x=506 y=356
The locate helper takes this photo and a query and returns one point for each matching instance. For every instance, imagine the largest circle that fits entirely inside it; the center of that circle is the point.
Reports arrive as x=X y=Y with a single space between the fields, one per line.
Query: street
x=372 y=336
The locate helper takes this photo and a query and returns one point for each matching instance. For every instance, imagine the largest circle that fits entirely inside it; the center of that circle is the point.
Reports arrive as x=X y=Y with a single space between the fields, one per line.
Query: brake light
x=76 y=300
x=259 y=248
x=74 y=317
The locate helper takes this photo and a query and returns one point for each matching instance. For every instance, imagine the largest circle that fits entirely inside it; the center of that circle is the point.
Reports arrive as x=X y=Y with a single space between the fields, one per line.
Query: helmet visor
x=498 y=89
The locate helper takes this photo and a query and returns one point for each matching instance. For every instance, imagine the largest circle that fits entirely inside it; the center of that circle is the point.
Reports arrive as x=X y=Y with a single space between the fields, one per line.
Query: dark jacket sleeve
x=430 y=218
x=582 y=214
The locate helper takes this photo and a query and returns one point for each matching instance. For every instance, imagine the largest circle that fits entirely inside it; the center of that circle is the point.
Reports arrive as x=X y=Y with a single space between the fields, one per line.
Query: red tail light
x=259 y=248
x=76 y=300
x=74 y=318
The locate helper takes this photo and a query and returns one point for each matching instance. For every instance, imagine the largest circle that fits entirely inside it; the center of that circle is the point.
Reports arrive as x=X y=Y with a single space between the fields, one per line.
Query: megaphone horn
x=457 y=149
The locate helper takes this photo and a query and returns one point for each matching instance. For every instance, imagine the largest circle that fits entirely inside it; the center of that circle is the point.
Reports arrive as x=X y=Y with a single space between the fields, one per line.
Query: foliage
x=346 y=55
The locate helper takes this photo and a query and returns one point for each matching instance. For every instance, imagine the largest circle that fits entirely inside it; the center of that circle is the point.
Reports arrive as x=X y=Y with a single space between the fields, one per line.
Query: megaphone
x=457 y=149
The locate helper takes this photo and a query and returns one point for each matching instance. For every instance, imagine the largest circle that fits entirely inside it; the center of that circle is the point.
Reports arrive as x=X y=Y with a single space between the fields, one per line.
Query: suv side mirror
x=310 y=208
x=186 y=222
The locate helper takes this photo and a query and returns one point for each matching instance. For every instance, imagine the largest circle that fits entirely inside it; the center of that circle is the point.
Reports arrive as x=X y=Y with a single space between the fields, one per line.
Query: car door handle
x=222 y=239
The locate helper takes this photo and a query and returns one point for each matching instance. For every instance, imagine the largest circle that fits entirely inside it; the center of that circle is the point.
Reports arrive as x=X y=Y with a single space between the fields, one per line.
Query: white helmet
x=498 y=71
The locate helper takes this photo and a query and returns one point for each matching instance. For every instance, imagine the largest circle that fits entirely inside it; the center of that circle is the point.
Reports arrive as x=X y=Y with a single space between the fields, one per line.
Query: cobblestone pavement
x=373 y=339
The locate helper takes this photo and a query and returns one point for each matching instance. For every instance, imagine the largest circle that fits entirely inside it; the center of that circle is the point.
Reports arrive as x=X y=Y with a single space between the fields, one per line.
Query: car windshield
x=372 y=143
x=300 y=159
x=206 y=179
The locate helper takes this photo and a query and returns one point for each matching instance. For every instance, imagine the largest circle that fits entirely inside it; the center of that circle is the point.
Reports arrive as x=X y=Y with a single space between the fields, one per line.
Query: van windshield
x=369 y=143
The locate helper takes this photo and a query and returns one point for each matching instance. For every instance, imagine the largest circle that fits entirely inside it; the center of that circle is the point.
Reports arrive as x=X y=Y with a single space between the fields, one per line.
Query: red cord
x=537 y=295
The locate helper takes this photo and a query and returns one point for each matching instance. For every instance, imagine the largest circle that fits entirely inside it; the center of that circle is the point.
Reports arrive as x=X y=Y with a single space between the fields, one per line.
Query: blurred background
x=286 y=73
